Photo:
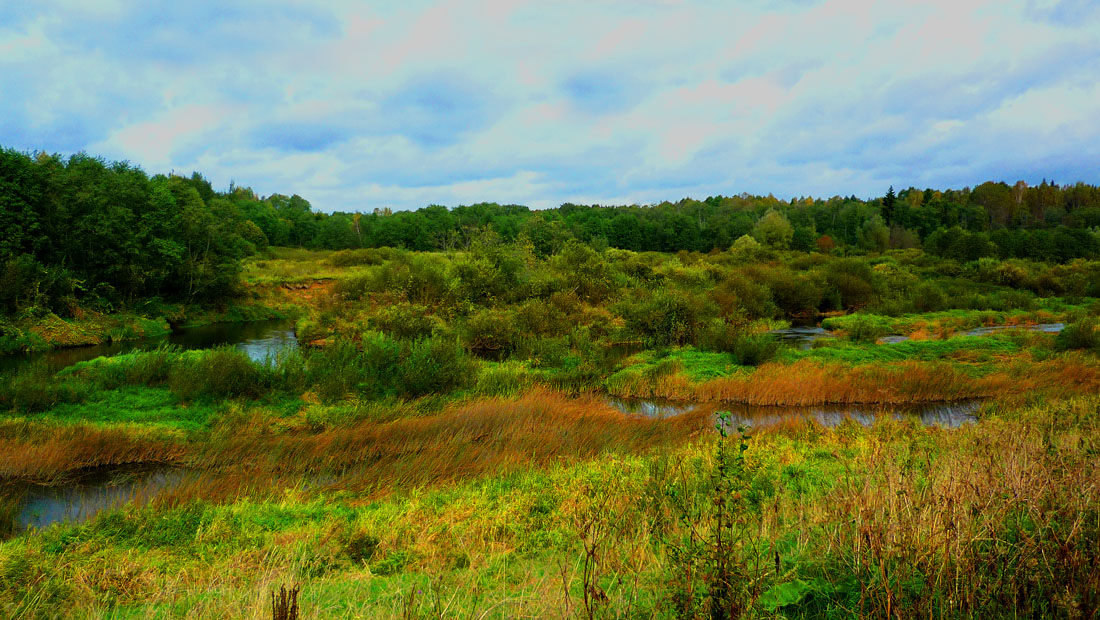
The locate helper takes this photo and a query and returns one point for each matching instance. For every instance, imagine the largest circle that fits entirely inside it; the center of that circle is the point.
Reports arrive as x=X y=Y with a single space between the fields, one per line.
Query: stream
x=32 y=506
x=258 y=339
x=946 y=415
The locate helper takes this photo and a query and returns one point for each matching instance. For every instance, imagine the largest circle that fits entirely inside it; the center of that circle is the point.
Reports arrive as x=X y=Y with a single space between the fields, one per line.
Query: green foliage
x=435 y=365
x=754 y=349
x=866 y=328
x=34 y=388
x=774 y=230
x=223 y=372
x=360 y=546
x=1083 y=334
x=665 y=318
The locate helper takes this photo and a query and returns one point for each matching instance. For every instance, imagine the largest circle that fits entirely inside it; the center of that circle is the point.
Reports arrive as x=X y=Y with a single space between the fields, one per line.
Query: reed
x=490 y=435
x=809 y=382
x=49 y=454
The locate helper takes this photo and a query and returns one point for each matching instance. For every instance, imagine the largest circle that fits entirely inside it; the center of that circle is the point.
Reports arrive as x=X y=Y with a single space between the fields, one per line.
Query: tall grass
x=997 y=519
x=809 y=382
x=490 y=435
x=50 y=453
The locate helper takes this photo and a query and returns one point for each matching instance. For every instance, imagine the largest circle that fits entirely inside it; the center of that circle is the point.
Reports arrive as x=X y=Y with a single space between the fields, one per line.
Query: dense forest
x=81 y=230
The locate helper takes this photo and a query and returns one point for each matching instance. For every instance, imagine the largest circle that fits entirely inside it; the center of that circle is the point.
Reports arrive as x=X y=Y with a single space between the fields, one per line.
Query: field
x=445 y=447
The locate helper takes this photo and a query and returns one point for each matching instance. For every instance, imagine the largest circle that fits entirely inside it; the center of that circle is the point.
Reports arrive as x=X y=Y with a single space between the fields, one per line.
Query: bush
x=739 y=295
x=223 y=372
x=491 y=330
x=367 y=256
x=405 y=321
x=666 y=319
x=435 y=365
x=1084 y=334
x=754 y=349
x=360 y=546
x=36 y=388
x=139 y=368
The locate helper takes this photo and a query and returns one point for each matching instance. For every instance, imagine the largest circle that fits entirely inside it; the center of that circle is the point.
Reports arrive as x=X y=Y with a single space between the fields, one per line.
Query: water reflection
x=95 y=490
x=947 y=415
x=801 y=338
x=258 y=339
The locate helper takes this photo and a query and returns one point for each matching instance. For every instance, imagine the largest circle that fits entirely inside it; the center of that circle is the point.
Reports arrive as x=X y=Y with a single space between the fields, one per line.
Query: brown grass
x=812 y=383
x=488 y=436
x=49 y=454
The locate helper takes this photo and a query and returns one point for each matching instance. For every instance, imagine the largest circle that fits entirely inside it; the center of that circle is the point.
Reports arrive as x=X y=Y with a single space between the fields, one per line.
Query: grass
x=392 y=473
x=945 y=323
x=964 y=349
x=988 y=520
x=135 y=406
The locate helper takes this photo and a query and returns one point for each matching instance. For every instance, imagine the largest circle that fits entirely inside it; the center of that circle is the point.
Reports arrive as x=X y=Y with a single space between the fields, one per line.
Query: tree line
x=84 y=229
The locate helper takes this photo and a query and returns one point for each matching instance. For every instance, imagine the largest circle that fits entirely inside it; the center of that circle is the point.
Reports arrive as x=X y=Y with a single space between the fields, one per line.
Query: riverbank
x=813 y=521
x=87 y=328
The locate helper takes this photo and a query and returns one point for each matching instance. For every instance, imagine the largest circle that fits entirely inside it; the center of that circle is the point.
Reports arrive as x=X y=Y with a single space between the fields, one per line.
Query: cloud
x=357 y=105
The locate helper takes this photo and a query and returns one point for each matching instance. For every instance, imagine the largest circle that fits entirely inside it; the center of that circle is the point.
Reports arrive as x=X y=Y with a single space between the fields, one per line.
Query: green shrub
x=667 y=318
x=366 y=256
x=36 y=388
x=491 y=330
x=435 y=365
x=360 y=546
x=754 y=349
x=405 y=321
x=1084 y=334
x=223 y=372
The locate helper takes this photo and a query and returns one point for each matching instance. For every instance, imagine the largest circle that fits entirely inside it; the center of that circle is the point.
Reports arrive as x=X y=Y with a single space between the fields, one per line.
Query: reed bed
x=808 y=382
x=50 y=454
x=491 y=435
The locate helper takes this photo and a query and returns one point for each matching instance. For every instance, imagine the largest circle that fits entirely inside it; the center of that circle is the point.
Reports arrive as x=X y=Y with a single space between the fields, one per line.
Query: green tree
x=774 y=230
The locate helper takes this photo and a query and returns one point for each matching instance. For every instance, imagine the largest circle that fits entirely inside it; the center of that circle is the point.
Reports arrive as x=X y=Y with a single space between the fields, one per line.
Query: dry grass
x=49 y=454
x=488 y=436
x=807 y=382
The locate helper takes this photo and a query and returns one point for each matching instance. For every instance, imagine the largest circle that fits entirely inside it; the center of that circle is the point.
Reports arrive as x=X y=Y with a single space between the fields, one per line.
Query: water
x=801 y=337
x=95 y=490
x=650 y=408
x=947 y=415
x=1046 y=328
x=258 y=339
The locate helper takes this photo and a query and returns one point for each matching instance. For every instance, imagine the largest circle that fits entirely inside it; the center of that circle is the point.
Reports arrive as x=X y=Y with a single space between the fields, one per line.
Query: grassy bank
x=449 y=450
x=993 y=519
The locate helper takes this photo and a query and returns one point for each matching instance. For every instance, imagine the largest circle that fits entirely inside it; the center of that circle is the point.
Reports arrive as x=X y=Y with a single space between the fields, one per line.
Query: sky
x=360 y=105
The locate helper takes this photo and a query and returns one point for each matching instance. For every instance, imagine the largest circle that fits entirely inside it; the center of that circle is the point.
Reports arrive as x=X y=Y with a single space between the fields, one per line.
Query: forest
x=740 y=407
x=104 y=234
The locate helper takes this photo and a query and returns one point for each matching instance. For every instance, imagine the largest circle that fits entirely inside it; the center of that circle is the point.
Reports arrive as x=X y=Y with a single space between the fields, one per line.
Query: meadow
x=445 y=446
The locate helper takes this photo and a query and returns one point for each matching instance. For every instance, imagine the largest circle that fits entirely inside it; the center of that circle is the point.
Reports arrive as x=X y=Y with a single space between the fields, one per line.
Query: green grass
x=514 y=545
x=977 y=349
x=135 y=405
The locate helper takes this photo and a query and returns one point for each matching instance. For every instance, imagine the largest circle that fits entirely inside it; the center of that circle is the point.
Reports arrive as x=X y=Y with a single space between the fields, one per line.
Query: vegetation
x=445 y=444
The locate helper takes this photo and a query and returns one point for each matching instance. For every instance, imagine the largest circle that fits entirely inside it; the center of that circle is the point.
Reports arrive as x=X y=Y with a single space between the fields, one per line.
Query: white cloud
x=355 y=105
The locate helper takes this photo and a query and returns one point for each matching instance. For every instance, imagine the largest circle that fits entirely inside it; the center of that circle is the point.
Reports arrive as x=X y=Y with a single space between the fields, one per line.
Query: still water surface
x=258 y=339
x=947 y=415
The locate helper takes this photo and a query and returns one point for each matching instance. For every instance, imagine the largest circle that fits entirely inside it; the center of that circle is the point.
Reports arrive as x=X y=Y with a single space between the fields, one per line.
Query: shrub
x=491 y=330
x=665 y=319
x=738 y=294
x=367 y=256
x=360 y=546
x=754 y=349
x=36 y=388
x=1084 y=334
x=405 y=321
x=796 y=295
x=435 y=365
x=223 y=372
